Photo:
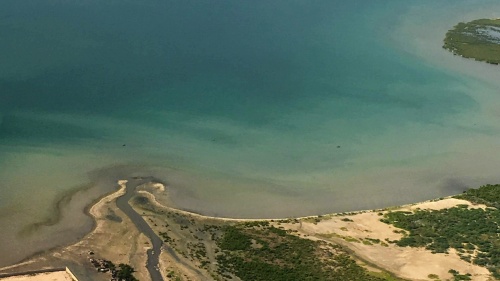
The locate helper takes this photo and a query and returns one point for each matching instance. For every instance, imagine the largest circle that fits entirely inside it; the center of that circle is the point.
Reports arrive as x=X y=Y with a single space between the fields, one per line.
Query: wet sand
x=68 y=220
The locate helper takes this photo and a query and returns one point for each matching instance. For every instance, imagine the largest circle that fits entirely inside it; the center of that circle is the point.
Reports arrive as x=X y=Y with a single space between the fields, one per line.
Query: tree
x=125 y=273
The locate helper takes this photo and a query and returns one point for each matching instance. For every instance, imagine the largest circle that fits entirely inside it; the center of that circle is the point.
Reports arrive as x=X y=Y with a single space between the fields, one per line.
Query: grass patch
x=284 y=256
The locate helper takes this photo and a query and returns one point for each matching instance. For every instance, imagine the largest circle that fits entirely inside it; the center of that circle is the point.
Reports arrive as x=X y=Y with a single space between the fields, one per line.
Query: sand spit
x=115 y=238
x=404 y=262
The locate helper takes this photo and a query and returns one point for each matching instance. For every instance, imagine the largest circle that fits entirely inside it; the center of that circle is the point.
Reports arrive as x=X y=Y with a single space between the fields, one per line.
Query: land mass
x=453 y=238
x=478 y=39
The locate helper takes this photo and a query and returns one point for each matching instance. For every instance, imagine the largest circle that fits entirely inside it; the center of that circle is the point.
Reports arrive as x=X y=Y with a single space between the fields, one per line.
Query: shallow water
x=245 y=109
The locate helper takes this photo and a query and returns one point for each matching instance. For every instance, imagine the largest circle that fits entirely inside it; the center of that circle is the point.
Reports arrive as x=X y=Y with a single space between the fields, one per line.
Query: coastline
x=201 y=215
x=119 y=189
x=355 y=231
x=235 y=131
x=92 y=208
x=101 y=237
x=56 y=215
x=444 y=172
x=362 y=224
x=56 y=218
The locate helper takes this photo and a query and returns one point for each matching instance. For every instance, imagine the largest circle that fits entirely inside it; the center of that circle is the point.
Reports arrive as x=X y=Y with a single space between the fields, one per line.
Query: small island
x=478 y=39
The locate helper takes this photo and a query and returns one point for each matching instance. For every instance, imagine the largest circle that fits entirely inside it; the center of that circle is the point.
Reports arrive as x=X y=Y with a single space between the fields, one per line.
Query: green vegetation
x=124 y=273
x=488 y=195
x=257 y=250
x=459 y=277
x=474 y=233
x=374 y=241
x=478 y=39
x=260 y=251
x=166 y=237
x=234 y=240
x=172 y=276
x=433 y=276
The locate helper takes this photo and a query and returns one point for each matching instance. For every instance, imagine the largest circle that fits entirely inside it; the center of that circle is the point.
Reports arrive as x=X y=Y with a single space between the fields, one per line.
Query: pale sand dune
x=443 y=204
x=51 y=276
x=406 y=262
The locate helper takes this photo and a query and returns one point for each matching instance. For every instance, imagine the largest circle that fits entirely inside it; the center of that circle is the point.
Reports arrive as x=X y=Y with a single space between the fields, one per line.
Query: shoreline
x=86 y=211
x=357 y=232
x=56 y=215
x=347 y=213
x=120 y=186
x=312 y=227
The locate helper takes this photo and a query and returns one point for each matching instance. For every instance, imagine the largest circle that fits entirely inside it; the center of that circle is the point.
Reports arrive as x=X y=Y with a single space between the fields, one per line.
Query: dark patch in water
x=56 y=214
x=453 y=186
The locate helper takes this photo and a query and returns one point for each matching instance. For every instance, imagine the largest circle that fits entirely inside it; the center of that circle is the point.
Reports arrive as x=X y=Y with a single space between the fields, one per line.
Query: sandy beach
x=115 y=238
x=405 y=262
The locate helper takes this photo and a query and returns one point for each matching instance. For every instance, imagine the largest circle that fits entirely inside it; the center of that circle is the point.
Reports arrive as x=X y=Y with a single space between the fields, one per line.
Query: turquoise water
x=244 y=108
